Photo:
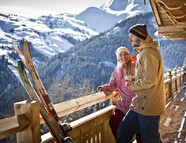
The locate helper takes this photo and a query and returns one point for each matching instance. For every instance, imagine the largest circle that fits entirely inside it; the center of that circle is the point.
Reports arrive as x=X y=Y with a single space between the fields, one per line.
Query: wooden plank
x=168 y=90
x=13 y=125
x=83 y=126
x=155 y=11
x=35 y=122
x=170 y=13
x=163 y=15
x=175 y=22
x=171 y=4
x=172 y=123
x=174 y=35
x=170 y=29
x=68 y=107
x=173 y=38
x=166 y=22
x=178 y=39
x=32 y=133
x=107 y=112
x=86 y=124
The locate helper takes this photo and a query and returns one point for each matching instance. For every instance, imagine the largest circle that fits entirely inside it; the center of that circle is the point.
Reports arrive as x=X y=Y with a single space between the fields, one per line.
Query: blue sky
x=36 y=8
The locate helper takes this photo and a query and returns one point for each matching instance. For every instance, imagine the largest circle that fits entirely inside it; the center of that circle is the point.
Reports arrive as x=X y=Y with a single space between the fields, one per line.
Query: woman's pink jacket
x=117 y=81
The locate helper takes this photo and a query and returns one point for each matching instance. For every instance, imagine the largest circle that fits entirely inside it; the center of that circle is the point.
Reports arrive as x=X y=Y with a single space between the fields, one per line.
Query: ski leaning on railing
x=27 y=60
x=23 y=78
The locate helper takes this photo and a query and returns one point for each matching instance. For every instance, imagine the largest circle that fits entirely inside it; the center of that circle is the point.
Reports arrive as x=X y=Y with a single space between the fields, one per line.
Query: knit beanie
x=121 y=49
x=139 y=30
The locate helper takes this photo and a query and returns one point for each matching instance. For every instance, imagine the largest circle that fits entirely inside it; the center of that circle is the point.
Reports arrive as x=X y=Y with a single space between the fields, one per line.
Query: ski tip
x=26 y=47
x=14 y=47
x=20 y=63
x=26 y=43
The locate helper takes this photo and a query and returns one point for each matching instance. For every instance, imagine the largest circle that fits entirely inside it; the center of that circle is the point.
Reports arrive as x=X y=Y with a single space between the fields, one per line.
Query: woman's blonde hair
x=129 y=69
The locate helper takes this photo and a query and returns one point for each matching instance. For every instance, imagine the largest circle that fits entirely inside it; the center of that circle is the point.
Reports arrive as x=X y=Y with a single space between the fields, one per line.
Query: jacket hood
x=148 y=42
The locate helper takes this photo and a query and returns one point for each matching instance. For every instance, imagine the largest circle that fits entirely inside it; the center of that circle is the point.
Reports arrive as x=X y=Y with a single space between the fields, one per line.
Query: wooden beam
x=32 y=133
x=86 y=124
x=155 y=11
x=170 y=29
x=176 y=13
x=12 y=125
x=172 y=124
x=171 y=4
x=174 y=35
x=178 y=39
x=166 y=21
x=68 y=107
x=163 y=15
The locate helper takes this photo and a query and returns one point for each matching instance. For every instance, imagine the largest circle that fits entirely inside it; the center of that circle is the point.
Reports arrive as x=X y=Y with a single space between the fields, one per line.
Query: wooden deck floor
x=173 y=123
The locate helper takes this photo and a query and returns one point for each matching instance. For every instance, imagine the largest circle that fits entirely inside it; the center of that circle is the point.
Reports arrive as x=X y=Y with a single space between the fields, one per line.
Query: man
x=149 y=102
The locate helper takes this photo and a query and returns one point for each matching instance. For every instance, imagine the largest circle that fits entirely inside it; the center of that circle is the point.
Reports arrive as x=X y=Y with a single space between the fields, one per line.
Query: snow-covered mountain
x=105 y=17
x=53 y=34
x=91 y=60
x=49 y=34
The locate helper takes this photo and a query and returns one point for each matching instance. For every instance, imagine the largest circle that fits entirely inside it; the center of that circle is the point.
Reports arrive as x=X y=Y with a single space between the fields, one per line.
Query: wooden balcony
x=94 y=128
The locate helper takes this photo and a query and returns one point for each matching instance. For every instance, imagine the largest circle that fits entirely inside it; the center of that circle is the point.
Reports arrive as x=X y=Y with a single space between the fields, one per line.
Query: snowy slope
x=126 y=6
x=49 y=34
x=57 y=33
x=105 y=17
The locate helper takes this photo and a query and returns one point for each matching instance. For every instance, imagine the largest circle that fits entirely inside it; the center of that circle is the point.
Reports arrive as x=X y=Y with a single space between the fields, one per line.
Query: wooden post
x=179 y=81
x=169 y=76
x=184 y=75
x=175 y=82
x=32 y=134
x=179 y=70
x=175 y=71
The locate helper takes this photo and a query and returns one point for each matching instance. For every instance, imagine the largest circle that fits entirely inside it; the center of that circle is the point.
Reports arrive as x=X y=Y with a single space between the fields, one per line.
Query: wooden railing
x=90 y=129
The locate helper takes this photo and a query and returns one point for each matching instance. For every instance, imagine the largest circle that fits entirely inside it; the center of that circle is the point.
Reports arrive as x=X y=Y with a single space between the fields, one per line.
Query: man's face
x=135 y=41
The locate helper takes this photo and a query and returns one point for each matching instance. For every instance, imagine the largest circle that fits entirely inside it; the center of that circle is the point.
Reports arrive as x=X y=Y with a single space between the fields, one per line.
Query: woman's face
x=124 y=58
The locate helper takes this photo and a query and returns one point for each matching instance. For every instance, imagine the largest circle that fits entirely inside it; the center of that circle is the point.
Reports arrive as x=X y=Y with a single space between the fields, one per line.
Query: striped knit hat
x=139 y=30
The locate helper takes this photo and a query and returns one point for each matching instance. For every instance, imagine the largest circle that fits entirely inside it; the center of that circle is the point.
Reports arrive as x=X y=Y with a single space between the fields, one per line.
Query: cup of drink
x=128 y=78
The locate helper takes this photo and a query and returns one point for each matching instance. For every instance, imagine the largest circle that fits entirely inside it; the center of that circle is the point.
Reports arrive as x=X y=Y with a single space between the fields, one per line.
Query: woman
x=125 y=66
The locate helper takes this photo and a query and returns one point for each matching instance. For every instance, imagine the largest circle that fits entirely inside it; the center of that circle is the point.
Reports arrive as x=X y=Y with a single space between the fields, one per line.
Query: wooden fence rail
x=89 y=129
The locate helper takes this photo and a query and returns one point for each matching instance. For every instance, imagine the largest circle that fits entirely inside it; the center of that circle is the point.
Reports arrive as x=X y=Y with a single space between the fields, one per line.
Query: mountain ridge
x=89 y=62
x=111 y=13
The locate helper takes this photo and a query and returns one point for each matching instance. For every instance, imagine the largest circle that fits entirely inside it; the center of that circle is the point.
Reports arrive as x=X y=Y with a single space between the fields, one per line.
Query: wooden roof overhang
x=170 y=17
